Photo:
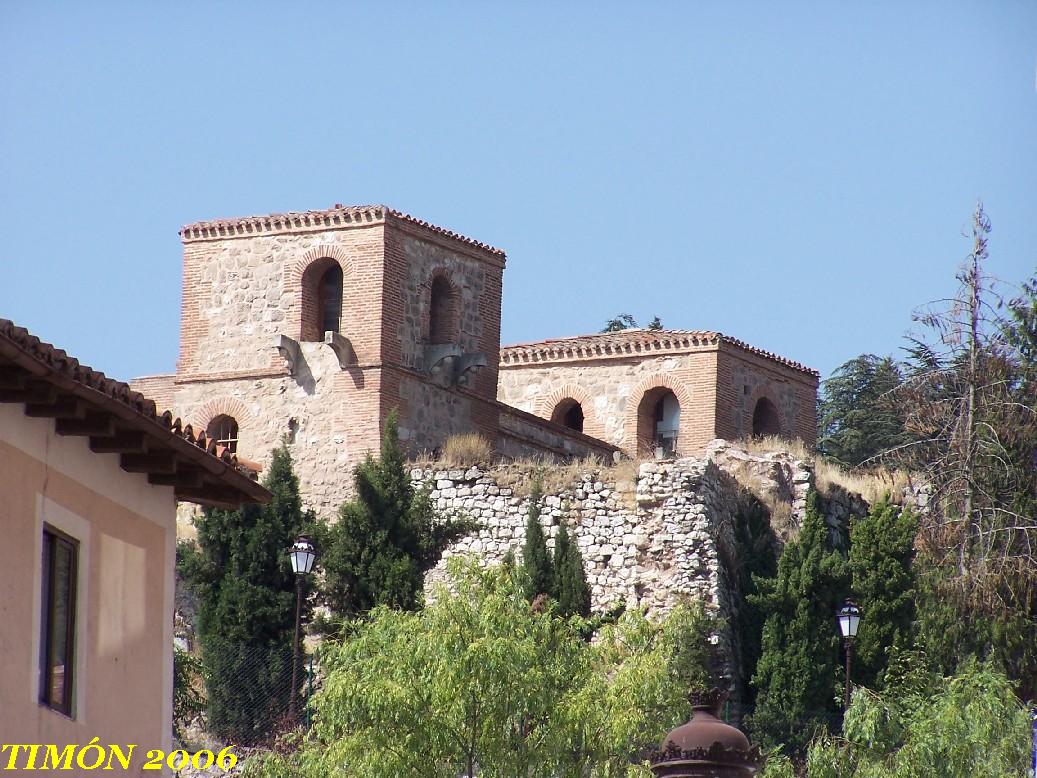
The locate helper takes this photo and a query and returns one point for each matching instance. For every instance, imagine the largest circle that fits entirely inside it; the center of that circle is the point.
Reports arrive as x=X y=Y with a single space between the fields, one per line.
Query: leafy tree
x=624 y=321
x=478 y=683
x=973 y=431
x=570 y=587
x=246 y=611
x=188 y=700
x=881 y=555
x=386 y=539
x=955 y=628
x=796 y=674
x=858 y=417
x=536 y=559
x=970 y=725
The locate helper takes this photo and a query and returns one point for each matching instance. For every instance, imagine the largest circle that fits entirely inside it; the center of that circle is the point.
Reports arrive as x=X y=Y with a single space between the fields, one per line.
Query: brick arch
x=315 y=260
x=763 y=393
x=448 y=320
x=223 y=406
x=547 y=403
x=647 y=384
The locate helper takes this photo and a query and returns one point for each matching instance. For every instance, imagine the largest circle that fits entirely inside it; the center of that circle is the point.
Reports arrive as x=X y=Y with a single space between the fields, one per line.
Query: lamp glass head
x=849 y=619
x=302 y=555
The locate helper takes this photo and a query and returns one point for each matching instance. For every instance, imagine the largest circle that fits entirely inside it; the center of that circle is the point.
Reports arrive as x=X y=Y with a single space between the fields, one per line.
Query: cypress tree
x=570 y=589
x=387 y=538
x=796 y=675
x=881 y=555
x=536 y=559
x=246 y=611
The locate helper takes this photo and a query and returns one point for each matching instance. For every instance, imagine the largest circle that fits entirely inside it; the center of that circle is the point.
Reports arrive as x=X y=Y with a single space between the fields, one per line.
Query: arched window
x=224 y=430
x=766 y=420
x=442 y=312
x=321 y=299
x=658 y=422
x=568 y=413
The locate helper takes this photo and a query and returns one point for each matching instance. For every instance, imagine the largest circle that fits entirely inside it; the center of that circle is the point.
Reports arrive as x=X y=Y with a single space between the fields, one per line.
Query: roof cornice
x=338 y=217
x=628 y=343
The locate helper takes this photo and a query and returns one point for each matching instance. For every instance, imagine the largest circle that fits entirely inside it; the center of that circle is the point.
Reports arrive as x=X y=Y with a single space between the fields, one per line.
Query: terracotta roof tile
x=630 y=341
x=336 y=216
x=52 y=364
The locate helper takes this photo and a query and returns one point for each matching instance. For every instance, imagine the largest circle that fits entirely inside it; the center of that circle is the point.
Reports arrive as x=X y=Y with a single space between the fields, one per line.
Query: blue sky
x=797 y=175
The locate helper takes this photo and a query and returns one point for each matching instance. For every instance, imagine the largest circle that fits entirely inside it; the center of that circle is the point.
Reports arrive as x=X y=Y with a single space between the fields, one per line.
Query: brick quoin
x=248 y=281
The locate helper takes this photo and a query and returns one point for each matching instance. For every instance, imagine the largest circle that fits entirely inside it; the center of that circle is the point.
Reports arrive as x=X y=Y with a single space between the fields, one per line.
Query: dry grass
x=466 y=450
x=869 y=484
x=772 y=444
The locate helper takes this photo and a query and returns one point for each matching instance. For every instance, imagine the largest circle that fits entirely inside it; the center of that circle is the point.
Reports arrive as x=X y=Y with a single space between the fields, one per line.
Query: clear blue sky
x=794 y=174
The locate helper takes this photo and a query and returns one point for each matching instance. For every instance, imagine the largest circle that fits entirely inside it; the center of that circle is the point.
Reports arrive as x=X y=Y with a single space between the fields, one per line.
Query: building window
x=224 y=430
x=442 y=317
x=568 y=413
x=58 y=620
x=766 y=420
x=329 y=299
x=658 y=423
x=321 y=299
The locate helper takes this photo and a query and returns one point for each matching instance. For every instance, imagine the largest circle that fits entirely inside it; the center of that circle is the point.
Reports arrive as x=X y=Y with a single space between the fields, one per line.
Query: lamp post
x=849 y=617
x=301 y=555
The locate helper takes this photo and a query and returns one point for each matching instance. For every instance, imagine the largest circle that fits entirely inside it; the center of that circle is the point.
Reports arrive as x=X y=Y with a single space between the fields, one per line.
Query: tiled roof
x=31 y=362
x=336 y=216
x=627 y=342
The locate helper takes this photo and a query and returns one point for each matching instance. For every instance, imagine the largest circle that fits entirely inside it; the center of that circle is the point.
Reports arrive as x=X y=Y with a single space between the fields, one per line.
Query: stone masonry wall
x=644 y=544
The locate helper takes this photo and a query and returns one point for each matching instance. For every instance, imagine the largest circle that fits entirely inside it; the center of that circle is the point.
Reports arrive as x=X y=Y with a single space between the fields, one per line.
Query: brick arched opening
x=658 y=421
x=555 y=405
x=766 y=419
x=321 y=299
x=215 y=416
x=569 y=413
x=640 y=425
x=303 y=278
x=443 y=311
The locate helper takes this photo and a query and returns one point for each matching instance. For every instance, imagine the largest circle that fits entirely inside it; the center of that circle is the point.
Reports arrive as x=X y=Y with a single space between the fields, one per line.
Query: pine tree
x=536 y=559
x=570 y=588
x=798 y=667
x=858 y=417
x=881 y=555
x=386 y=539
x=246 y=612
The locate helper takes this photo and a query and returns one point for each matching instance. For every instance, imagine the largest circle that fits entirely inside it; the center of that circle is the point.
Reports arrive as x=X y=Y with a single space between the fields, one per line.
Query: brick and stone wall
x=609 y=391
x=615 y=377
x=743 y=378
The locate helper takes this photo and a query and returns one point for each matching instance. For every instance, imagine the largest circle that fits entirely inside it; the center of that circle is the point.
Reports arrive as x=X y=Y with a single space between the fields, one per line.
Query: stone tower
x=315 y=325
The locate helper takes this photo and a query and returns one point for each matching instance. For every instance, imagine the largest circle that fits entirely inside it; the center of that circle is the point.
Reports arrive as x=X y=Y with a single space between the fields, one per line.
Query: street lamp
x=301 y=555
x=849 y=617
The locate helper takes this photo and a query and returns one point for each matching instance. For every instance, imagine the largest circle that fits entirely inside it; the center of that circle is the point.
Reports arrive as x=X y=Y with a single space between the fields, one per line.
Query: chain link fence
x=241 y=695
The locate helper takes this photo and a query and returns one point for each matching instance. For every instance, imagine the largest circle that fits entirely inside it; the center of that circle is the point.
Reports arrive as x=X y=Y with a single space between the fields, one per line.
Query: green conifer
x=796 y=675
x=386 y=539
x=881 y=555
x=570 y=589
x=536 y=559
x=246 y=612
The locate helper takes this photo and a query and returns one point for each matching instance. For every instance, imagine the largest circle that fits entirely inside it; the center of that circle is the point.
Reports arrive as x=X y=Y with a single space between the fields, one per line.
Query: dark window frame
x=54 y=539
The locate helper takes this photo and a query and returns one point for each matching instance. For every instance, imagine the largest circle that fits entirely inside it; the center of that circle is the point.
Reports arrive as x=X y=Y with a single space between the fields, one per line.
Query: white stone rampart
x=647 y=544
